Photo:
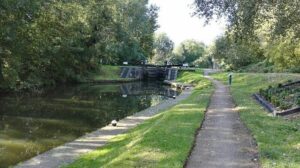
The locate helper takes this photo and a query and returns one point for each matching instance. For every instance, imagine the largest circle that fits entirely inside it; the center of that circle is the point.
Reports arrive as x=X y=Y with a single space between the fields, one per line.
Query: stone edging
x=123 y=80
x=270 y=108
x=177 y=84
x=69 y=152
x=292 y=83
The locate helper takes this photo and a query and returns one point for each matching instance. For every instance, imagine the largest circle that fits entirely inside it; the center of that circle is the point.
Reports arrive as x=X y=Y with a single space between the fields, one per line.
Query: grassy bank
x=163 y=141
x=278 y=139
x=190 y=77
x=266 y=67
x=106 y=73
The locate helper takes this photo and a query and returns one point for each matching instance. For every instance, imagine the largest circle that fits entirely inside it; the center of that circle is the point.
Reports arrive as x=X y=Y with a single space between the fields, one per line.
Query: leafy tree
x=163 y=47
x=1 y=73
x=189 y=51
x=284 y=52
x=236 y=55
x=207 y=60
x=272 y=25
x=46 y=42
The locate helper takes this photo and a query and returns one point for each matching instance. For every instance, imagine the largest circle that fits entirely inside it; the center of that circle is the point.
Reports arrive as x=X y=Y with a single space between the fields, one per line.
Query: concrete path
x=68 y=152
x=223 y=141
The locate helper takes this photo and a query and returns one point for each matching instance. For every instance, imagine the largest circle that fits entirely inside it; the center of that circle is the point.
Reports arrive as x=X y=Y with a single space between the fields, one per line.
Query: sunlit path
x=223 y=140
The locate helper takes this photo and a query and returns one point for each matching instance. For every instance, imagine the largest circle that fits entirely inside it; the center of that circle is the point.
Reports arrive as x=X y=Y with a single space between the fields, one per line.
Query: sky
x=175 y=19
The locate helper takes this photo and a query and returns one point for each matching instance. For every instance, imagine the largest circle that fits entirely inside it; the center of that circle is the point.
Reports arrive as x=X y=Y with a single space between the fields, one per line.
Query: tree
x=47 y=42
x=163 y=47
x=206 y=61
x=269 y=24
x=236 y=55
x=284 y=52
x=1 y=73
x=189 y=51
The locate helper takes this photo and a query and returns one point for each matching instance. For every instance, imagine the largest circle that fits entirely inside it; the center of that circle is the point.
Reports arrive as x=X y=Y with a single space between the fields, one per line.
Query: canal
x=32 y=124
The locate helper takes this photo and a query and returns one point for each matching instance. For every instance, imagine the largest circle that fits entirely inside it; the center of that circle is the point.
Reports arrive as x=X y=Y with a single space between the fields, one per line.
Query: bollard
x=230 y=79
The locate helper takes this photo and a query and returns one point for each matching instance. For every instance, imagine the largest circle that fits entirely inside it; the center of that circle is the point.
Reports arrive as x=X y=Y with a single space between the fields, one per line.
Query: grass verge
x=190 y=77
x=163 y=141
x=107 y=73
x=278 y=139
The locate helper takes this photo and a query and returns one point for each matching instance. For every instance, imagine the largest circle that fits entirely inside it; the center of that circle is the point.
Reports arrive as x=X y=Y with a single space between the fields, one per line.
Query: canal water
x=31 y=124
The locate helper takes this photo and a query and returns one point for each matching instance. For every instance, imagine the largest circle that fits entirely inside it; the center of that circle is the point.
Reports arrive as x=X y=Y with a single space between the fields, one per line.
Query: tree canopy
x=45 y=42
x=271 y=28
x=189 y=51
x=163 y=48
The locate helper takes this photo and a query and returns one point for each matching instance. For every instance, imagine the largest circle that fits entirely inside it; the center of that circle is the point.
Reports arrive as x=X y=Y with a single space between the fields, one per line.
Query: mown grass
x=163 y=141
x=190 y=77
x=278 y=139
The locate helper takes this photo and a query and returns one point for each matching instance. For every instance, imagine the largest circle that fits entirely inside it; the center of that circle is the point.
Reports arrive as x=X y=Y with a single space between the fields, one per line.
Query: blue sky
x=175 y=19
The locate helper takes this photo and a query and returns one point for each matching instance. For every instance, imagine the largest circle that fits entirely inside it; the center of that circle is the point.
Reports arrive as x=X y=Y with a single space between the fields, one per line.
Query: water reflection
x=30 y=125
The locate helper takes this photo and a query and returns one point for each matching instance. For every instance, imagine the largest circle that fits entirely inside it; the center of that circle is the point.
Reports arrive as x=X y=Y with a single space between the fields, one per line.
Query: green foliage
x=284 y=52
x=190 y=77
x=244 y=17
x=234 y=55
x=282 y=97
x=45 y=42
x=261 y=67
x=163 y=47
x=207 y=60
x=188 y=52
x=270 y=27
x=106 y=73
x=163 y=141
x=277 y=138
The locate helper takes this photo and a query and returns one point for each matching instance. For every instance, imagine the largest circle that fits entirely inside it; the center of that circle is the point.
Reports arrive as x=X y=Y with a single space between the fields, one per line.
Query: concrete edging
x=69 y=152
x=177 y=84
x=270 y=108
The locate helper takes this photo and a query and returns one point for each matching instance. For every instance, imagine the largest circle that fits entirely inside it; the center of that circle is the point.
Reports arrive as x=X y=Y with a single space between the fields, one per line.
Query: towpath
x=69 y=152
x=223 y=141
